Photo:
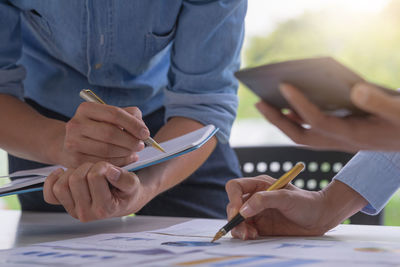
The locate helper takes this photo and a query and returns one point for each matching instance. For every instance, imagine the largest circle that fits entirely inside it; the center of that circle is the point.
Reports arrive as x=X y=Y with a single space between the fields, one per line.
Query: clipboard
x=32 y=180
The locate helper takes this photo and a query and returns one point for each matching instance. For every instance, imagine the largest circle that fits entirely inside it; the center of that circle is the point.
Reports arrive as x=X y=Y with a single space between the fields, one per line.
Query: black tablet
x=324 y=81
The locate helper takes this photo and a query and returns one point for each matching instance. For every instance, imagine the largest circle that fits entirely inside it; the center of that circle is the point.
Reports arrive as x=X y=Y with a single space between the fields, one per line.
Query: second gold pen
x=278 y=184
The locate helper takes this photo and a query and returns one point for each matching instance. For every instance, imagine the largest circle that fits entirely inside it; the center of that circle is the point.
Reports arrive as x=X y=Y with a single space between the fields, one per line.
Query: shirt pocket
x=38 y=22
x=155 y=43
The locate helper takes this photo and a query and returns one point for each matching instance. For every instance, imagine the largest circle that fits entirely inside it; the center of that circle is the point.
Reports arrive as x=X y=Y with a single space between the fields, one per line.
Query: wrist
x=151 y=184
x=54 y=140
x=340 y=202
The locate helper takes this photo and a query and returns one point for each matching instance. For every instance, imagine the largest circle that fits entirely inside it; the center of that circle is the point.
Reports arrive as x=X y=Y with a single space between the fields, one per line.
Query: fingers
x=121 y=179
x=237 y=188
x=88 y=139
x=299 y=102
x=134 y=111
x=80 y=193
x=48 y=193
x=373 y=100
x=232 y=209
x=349 y=134
x=86 y=192
x=293 y=116
x=244 y=231
x=325 y=130
x=279 y=199
x=111 y=200
x=110 y=135
x=116 y=142
x=300 y=135
x=103 y=204
x=275 y=116
x=96 y=148
x=255 y=186
x=116 y=116
x=311 y=114
x=63 y=194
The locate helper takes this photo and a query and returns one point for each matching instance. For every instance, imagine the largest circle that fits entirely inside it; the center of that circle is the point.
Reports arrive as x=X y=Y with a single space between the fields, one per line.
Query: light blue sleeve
x=11 y=74
x=204 y=57
x=374 y=175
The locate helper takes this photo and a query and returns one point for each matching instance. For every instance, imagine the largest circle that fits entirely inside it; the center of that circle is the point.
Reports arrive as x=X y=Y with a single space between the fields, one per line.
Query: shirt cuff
x=216 y=109
x=11 y=81
x=374 y=175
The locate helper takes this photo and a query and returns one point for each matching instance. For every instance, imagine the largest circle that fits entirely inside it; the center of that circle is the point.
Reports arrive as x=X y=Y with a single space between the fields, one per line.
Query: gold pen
x=89 y=96
x=280 y=183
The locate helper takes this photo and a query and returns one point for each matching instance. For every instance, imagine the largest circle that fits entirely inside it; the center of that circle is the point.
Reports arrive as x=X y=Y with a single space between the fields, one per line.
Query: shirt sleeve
x=204 y=57
x=11 y=74
x=374 y=175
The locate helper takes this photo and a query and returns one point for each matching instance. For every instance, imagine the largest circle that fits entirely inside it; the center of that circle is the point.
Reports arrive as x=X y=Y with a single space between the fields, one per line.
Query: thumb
x=279 y=199
x=372 y=99
x=121 y=179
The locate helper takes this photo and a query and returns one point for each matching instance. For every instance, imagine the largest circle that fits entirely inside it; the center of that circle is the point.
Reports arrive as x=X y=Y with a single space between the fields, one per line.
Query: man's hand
x=290 y=211
x=378 y=131
x=96 y=191
x=86 y=194
x=99 y=132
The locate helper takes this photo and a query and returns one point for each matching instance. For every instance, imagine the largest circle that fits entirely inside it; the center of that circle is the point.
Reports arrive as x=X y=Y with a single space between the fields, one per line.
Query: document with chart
x=188 y=244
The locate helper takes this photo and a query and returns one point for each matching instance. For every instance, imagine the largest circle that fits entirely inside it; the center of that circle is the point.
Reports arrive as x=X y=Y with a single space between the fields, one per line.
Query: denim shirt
x=145 y=53
x=374 y=175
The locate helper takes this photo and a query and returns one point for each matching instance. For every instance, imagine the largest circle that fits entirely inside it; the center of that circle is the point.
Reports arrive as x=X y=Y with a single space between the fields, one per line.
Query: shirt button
x=98 y=66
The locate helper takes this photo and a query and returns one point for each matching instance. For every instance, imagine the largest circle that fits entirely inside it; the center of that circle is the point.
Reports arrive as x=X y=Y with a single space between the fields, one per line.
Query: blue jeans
x=201 y=195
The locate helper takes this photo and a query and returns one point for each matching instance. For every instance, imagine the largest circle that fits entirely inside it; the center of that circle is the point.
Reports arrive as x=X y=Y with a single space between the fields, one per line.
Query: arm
x=93 y=134
x=27 y=134
x=374 y=175
x=205 y=54
x=161 y=177
x=24 y=132
x=202 y=89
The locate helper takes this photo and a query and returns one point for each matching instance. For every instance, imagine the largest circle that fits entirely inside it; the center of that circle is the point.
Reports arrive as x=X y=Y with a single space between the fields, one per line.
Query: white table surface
x=26 y=228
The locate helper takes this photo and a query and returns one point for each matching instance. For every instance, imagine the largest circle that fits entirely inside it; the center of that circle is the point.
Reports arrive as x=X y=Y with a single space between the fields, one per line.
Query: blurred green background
x=365 y=42
x=368 y=44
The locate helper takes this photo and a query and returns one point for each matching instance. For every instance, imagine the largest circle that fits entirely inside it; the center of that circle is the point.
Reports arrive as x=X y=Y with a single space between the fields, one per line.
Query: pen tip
x=151 y=142
x=160 y=148
x=217 y=236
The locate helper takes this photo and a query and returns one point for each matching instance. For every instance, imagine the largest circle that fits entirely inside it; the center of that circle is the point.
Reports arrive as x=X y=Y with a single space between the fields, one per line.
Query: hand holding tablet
x=331 y=107
x=324 y=81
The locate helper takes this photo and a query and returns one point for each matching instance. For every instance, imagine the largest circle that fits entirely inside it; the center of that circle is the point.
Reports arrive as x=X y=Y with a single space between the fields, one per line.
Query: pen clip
x=90 y=96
